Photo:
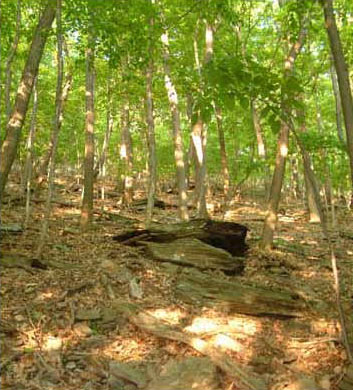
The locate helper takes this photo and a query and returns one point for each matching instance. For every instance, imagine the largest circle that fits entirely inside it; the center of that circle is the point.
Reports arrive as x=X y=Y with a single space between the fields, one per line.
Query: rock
x=325 y=382
x=135 y=289
x=88 y=314
x=108 y=265
x=71 y=365
x=189 y=374
x=82 y=329
x=127 y=372
x=303 y=383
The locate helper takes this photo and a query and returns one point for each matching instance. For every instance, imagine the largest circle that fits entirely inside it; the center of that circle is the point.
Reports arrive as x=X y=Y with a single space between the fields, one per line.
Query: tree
x=282 y=148
x=342 y=77
x=87 y=201
x=18 y=115
x=177 y=136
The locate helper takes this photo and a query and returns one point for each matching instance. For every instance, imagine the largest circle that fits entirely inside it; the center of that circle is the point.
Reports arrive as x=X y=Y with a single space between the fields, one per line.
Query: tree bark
x=9 y=61
x=108 y=132
x=282 y=150
x=336 y=94
x=27 y=175
x=126 y=154
x=223 y=152
x=199 y=136
x=18 y=115
x=44 y=164
x=56 y=127
x=342 y=77
x=177 y=135
x=87 y=201
x=152 y=159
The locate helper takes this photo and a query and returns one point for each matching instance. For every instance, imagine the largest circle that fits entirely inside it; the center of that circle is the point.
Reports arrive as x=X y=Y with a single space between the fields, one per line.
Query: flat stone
x=88 y=314
x=189 y=374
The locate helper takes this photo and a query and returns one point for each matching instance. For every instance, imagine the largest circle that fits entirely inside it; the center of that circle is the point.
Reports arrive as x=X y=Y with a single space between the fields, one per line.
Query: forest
x=176 y=194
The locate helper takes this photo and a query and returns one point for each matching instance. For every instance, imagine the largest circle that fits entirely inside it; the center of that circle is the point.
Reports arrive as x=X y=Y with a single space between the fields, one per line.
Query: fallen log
x=229 y=236
x=196 y=287
x=191 y=252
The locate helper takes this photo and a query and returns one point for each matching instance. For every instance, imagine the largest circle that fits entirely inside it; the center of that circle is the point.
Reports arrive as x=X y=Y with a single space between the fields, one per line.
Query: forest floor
x=62 y=329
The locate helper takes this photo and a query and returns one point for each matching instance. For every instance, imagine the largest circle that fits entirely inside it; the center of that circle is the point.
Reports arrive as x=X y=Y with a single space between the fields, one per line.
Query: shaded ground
x=60 y=328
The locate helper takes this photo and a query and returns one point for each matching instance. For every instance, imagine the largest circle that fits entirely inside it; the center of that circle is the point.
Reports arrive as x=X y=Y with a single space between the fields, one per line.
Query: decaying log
x=229 y=236
x=196 y=287
x=191 y=252
x=159 y=328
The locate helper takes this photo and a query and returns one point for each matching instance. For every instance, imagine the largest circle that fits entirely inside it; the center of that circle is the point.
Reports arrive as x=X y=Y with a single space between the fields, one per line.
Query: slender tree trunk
x=311 y=186
x=199 y=136
x=336 y=94
x=27 y=175
x=190 y=152
x=282 y=150
x=223 y=152
x=261 y=146
x=18 y=115
x=9 y=62
x=88 y=165
x=126 y=154
x=57 y=120
x=44 y=163
x=108 y=132
x=151 y=140
x=177 y=136
x=342 y=77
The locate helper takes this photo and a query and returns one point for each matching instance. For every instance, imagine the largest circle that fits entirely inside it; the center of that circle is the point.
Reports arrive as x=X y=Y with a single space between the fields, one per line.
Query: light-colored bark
x=282 y=150
x=88 y=164
x=44 y=163
x=342 y=76
x=57 y=120
x=177 y=136
x=199 y=137
x=18 y=115
x=223 y=152
x=126 y=154
x=27 y=174
x=152 y=158
x=99 y=167
x=9 y=61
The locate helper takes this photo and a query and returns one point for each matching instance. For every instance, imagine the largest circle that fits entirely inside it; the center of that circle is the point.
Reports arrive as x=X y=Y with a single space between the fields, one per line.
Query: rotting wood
x=196 y=287
x=150 y=324
x=191 y=252
x=229 y=236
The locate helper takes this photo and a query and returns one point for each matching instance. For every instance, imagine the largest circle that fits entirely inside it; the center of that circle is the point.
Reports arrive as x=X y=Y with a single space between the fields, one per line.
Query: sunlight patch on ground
x=173 y=316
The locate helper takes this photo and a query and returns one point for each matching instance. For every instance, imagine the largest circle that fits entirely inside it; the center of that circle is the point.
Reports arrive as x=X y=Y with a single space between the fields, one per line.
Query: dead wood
x=229 y=236
x=196 y=287
x=191 y=252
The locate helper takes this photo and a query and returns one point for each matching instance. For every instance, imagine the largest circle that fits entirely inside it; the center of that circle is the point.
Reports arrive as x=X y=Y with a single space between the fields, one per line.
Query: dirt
x=47 y=345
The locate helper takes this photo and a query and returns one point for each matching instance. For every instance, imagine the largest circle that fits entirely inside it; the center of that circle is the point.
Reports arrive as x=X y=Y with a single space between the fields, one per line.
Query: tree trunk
x=223 y=152
x=177 y=136
x=199 y=135
x=44 y=164
x=311 y=186
x=126 y=154
x=342 y=77
x=27 y=175
x=336 y=94
x=152 y=159
x=108 y=132
x=18 y=115
x=56 y=127
x=88 y=165
x=282 y=150
x=9 y=61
